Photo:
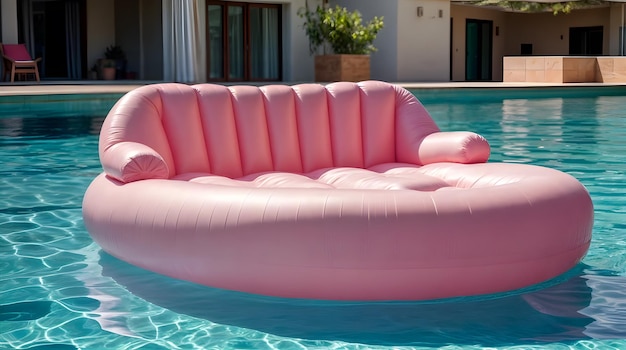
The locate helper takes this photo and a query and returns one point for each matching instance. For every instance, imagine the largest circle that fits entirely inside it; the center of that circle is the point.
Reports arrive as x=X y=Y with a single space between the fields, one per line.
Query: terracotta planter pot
x=329 y=68
x=108 y=73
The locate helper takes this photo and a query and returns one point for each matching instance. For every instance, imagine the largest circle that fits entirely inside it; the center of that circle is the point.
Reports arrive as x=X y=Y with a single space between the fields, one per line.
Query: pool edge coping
x=99 y=88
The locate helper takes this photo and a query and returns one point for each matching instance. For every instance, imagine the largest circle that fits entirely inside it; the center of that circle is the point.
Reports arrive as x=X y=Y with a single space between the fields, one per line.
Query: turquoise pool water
x=58 y=290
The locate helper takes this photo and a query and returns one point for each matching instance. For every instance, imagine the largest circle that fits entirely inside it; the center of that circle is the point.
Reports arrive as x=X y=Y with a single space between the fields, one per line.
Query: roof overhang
x=539 y=1
x=494 y=6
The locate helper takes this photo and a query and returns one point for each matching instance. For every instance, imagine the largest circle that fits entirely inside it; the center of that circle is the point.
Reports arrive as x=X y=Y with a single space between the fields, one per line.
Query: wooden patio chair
x=17 y=60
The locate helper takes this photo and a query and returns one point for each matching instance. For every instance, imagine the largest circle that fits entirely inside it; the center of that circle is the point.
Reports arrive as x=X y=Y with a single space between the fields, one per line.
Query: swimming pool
x=57 y=287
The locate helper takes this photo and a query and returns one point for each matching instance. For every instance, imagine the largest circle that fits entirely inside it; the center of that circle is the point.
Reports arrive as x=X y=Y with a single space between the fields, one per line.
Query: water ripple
x=58 y=290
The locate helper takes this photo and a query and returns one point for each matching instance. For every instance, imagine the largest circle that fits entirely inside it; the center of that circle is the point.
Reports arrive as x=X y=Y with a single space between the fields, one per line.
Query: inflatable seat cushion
x=385 y=177
x=267 y=180
x=364 y=179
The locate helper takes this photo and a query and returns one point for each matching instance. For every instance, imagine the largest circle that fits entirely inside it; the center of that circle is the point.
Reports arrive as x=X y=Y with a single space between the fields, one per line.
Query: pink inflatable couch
x=347 y=191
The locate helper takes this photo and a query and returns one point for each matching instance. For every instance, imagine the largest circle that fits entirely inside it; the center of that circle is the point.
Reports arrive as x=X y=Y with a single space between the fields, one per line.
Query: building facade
x=227 y=41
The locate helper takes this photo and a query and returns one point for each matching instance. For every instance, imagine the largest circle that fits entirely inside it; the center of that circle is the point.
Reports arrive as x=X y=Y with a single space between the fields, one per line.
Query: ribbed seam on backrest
x=220 y=129
x=378 y=120
x=241 y=130
x=313 y=127
x=252 y=129
x=344 y=110
x=181 y=121
x=280 y=112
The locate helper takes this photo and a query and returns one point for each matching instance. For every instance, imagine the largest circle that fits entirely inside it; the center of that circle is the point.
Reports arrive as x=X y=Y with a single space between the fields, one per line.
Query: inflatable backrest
x=240 y=130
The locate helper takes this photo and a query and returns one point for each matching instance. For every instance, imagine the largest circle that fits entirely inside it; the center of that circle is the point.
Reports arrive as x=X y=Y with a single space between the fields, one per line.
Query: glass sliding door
x=264 y=44
x=215 y=38
x=478 y=49
x=243 y=41
x=236 y=54
x=585 y=40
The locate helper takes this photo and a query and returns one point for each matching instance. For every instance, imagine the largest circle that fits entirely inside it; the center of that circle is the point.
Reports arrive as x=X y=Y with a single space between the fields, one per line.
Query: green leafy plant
x=343 y=30
x=107 y=63
x=554 y=7
x=115 y=52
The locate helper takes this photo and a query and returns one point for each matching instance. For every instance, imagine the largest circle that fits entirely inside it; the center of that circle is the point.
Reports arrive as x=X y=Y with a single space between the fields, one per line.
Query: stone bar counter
x=564 y=69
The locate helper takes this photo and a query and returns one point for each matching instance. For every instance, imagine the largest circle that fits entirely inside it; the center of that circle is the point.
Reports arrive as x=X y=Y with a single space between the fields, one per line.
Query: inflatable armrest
x=131 y=161
x=455 y=147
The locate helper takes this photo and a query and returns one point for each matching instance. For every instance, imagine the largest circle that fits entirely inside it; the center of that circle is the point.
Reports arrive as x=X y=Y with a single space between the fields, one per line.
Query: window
x=243 y=41
x=585 y=40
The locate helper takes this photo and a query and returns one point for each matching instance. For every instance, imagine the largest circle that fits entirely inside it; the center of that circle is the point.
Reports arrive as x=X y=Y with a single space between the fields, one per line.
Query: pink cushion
x=17 y=52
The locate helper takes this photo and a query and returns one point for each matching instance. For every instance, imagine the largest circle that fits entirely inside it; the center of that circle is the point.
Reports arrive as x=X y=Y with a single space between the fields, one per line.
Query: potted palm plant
x=118 y=56
x=350 y=40
x=107 y=68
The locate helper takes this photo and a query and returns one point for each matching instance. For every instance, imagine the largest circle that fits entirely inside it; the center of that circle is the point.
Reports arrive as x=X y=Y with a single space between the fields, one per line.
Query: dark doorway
x=586 y=40
x=55 y=31
x=451 y=48
x=243 y=41
x=478 y=49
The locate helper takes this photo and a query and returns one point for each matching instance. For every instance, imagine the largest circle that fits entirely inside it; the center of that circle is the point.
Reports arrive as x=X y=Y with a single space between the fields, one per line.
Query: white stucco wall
x=410 y=48
x=424 y=42
x=298 y=64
